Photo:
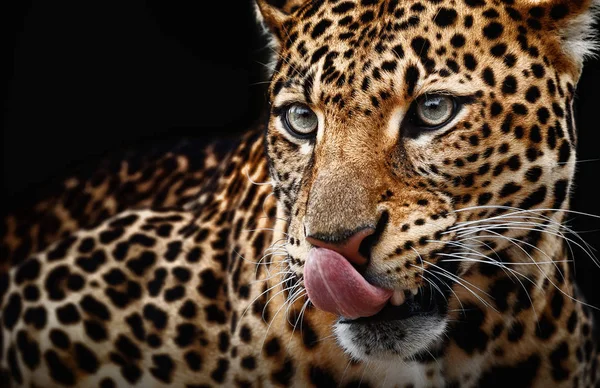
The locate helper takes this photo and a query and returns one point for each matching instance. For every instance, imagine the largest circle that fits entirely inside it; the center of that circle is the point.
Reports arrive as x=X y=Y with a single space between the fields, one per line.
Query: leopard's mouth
x=403 y=331
x=374 y=321
x=423 y=303
x=335 y=286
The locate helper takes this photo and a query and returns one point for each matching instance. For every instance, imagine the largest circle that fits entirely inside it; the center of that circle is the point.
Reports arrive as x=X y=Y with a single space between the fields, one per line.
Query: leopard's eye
x=300 y=120
x=433 y=111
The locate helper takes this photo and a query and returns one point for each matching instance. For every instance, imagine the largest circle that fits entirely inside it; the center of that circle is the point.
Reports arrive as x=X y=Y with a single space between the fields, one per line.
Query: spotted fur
x=191 y=274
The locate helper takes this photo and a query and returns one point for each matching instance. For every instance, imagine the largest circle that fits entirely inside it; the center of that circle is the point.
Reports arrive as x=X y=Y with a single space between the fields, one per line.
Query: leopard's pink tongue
x=334 y=285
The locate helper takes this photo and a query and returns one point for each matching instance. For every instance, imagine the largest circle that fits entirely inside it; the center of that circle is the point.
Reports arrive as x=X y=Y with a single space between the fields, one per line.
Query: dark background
x=86 y=78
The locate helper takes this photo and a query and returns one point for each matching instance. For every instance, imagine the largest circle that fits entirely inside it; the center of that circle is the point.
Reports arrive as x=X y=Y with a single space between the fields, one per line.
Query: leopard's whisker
x=462 y=282
x=546 y=276
x=274 y=315
x=294 y=296
x=517 y=242
x=520 y=210
x=463 y=225
x=273 y=276
x=299 y=319
x=263 y=229
x=271 y=298
x=259 y=262
x=493 y=262
x=436 y=287
x=261 y=294
x=268 y=183
x=423 y=269
x=542 y=229
x=512 y=272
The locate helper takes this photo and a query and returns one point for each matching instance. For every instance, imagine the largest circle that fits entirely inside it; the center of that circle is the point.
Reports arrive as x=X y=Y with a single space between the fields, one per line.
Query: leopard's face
x=398 y=131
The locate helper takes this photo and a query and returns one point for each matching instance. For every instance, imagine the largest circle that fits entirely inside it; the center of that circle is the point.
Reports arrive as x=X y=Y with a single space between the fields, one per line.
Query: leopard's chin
x=366 y=340
x=396 y=331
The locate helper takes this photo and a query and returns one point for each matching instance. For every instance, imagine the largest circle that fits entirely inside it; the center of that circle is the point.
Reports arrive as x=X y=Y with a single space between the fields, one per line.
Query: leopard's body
x=203 y=285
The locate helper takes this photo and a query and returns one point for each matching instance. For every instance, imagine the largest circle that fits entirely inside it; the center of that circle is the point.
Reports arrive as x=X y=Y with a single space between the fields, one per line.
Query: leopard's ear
x=273 y=17
x=573 y=21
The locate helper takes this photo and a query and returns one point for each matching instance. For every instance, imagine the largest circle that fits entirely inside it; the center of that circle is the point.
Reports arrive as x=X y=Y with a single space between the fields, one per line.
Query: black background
x=86 y=78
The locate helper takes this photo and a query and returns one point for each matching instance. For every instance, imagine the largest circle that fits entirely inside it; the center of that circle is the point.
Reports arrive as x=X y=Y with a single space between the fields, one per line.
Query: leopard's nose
x=348 y=246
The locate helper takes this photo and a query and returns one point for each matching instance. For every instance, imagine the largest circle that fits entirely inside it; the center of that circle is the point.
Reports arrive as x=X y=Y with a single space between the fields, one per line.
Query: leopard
x=398 y=219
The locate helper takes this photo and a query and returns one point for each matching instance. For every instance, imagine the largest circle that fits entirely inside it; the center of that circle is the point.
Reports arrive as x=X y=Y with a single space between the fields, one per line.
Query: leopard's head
x=410 y=142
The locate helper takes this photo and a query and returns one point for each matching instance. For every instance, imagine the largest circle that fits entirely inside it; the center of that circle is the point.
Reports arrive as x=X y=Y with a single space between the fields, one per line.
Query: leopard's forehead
x=355 y=55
